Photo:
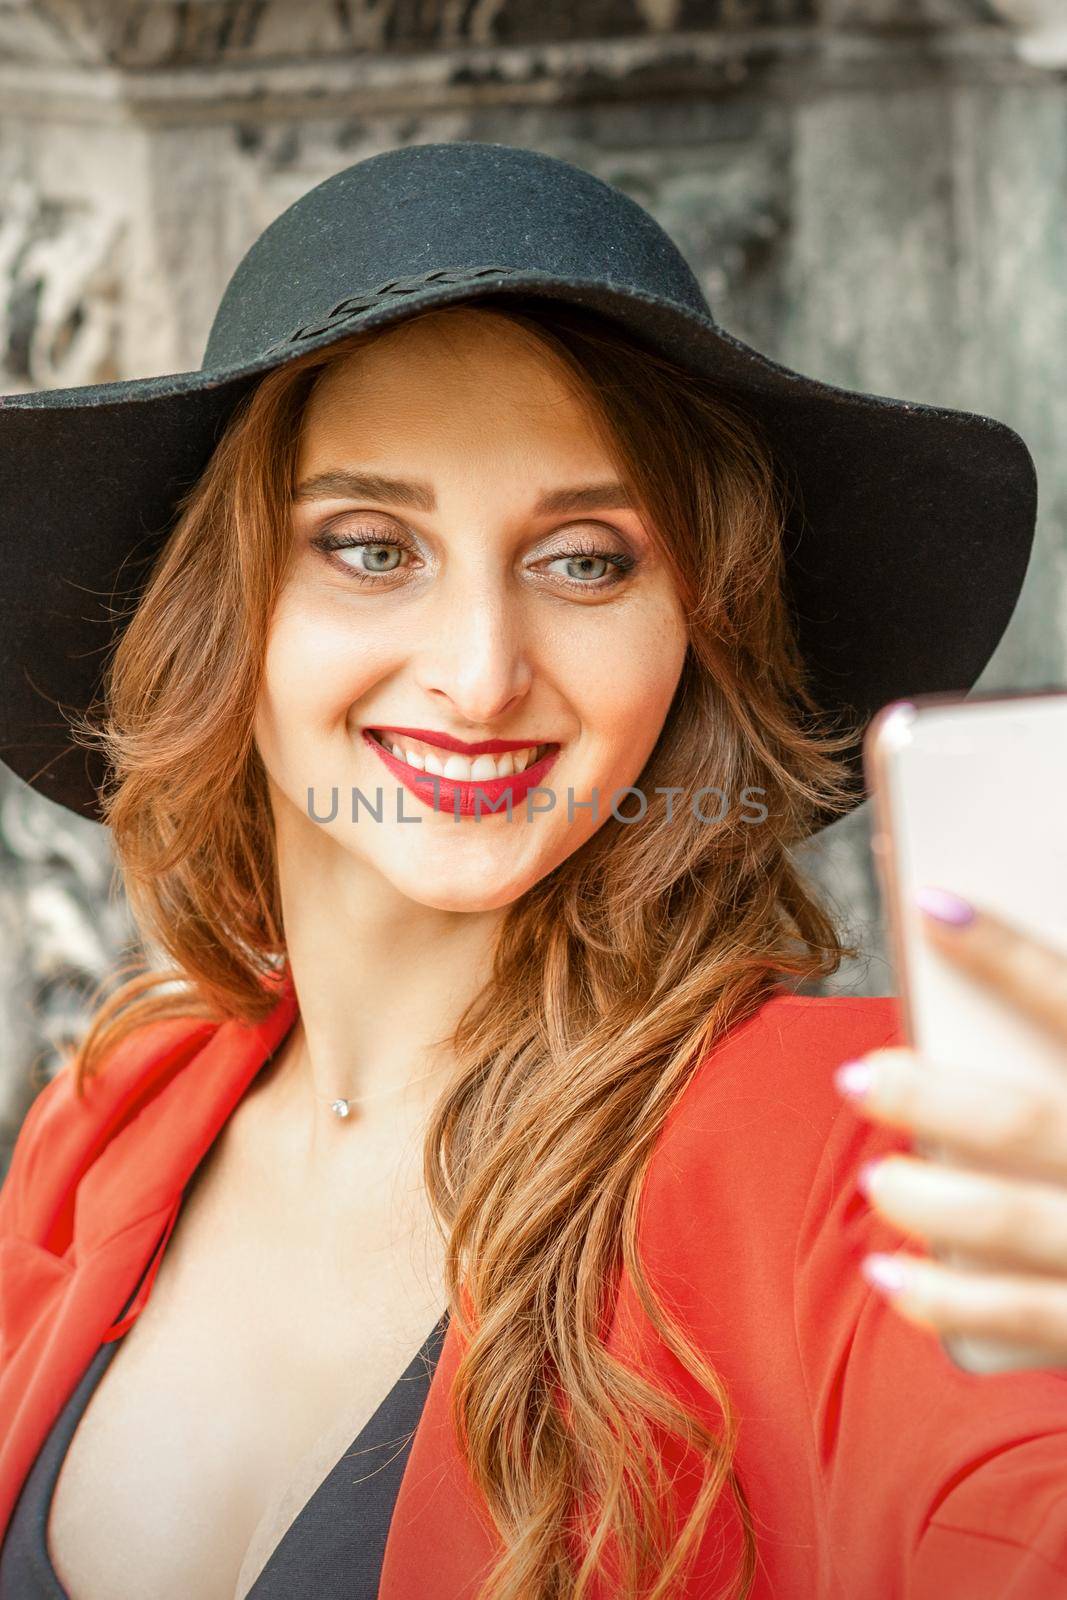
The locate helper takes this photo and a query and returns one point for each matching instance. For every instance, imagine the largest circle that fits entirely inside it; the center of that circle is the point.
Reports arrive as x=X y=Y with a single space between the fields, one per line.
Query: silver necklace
x=343 y=1108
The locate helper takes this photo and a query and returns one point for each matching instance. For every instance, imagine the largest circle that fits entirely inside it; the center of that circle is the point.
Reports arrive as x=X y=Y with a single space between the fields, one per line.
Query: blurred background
x=871 y=191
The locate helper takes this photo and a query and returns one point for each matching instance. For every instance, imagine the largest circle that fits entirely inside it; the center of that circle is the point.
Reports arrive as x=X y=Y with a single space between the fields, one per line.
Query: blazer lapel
x=108 y=1219
x=441 y=1539
x=111 y=1208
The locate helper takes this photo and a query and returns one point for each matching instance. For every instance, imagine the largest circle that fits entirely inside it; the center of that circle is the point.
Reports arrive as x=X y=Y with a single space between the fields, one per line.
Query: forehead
x=460 y=379
x=459 y=347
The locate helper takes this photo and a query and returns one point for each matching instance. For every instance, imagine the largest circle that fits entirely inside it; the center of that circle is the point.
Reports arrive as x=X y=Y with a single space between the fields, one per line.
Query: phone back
x=971 y=795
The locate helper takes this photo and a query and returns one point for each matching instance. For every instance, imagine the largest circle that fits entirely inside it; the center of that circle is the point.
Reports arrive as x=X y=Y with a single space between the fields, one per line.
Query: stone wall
x=869 y=190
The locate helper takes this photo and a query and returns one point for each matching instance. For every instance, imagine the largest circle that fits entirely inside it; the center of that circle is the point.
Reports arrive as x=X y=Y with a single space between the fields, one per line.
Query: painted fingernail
x=865 y=1176
x=853 y=1077
x=884 y=1272
x=945 y=906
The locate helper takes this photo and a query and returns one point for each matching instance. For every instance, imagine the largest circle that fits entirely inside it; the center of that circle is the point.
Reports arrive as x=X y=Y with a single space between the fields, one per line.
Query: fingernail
x=885 y=1272
x=865 y=1176
x=853 y=1077
x=945 y=906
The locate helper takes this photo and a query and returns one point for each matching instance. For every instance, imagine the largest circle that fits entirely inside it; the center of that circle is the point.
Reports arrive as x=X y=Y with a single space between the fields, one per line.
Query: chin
x=457 y=887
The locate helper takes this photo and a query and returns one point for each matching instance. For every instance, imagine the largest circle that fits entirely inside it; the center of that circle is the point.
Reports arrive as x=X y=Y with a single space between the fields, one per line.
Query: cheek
x=314 y=667
x=625 y=682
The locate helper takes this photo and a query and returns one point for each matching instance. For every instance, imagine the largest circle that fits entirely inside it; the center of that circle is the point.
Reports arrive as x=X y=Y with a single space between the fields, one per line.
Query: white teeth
x=463 y=769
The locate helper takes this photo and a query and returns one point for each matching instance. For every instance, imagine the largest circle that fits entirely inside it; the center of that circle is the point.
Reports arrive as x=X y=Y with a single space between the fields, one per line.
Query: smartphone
x=970 y=794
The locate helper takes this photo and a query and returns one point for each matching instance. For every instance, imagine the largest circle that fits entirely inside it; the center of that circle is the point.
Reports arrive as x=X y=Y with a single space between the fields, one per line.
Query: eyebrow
x=419 y=496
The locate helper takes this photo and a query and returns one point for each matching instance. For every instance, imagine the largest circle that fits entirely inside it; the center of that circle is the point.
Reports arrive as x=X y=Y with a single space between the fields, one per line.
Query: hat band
x=393 y=286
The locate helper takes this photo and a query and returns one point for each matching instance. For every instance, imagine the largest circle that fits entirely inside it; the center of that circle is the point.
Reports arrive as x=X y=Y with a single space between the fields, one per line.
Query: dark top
x=333 y=1549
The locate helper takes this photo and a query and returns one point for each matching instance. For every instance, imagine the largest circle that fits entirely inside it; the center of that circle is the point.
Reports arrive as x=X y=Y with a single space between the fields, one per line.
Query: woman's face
x=447 y=577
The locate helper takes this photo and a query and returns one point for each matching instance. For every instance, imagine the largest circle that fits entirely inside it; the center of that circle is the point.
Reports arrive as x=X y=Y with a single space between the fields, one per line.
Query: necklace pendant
x=341 y=1107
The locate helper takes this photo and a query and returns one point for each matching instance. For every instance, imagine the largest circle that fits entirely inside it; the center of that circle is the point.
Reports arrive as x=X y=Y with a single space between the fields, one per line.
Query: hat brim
x=907 y=544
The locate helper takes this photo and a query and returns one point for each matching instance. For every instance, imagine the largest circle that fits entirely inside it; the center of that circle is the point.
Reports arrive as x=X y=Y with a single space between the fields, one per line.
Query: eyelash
x=329 y=543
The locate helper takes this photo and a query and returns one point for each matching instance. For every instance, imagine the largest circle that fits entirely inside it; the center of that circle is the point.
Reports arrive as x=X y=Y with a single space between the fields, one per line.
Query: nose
x=474 y=661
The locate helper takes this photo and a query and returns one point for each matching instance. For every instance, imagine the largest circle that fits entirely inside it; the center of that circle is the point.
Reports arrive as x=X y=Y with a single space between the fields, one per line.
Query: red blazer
x=876 y=1470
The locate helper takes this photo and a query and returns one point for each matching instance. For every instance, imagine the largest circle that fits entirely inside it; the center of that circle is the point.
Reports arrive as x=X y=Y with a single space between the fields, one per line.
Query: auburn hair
x=613 y=975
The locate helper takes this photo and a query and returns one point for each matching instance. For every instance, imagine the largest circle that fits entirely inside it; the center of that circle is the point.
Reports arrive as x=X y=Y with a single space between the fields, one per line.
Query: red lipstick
x=452 y=794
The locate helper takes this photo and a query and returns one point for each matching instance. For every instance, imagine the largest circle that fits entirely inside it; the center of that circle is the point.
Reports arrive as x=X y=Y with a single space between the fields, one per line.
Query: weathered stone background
x=870 y=190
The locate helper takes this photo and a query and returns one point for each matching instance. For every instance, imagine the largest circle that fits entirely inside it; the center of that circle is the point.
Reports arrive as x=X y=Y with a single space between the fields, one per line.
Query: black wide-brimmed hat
x=907 y=541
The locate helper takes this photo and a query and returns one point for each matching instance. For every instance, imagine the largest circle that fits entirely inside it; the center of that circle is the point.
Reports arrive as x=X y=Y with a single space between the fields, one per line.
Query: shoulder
x=744 y=1143
x=770 y=1077
x=64 y=1131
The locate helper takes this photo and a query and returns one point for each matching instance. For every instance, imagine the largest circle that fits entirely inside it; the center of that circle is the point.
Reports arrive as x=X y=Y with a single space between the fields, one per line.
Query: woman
x=502 y=1057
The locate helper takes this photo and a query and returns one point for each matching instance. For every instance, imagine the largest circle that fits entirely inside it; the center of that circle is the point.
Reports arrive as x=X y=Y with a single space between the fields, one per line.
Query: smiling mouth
x=459 y=768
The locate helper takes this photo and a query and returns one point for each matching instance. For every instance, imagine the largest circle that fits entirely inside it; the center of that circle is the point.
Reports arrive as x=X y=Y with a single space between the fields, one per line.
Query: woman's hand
x=1007 y=1208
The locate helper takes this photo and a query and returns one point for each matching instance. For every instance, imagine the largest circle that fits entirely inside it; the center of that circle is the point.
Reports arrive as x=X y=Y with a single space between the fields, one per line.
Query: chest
x=268 y=1340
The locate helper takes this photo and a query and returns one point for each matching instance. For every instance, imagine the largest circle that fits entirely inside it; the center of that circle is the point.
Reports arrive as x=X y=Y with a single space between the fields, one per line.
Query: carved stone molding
x=61 y=933
x=59 y=268
x=215 y=59
x=139 y=34
x=1040 y=29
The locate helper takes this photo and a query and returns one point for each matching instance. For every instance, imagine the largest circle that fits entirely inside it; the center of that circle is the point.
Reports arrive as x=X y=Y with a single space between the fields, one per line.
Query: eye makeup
x=329 y=542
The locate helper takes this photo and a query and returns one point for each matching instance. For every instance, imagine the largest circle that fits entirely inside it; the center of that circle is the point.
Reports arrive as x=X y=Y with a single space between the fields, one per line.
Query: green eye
x=618 y=566
x=377 y=561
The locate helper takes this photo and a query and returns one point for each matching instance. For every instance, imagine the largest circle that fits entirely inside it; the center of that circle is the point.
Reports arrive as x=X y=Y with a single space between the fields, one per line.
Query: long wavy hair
x=613 y=976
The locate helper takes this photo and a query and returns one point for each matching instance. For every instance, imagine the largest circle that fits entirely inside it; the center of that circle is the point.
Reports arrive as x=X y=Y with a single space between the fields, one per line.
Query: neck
x=381 y=982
